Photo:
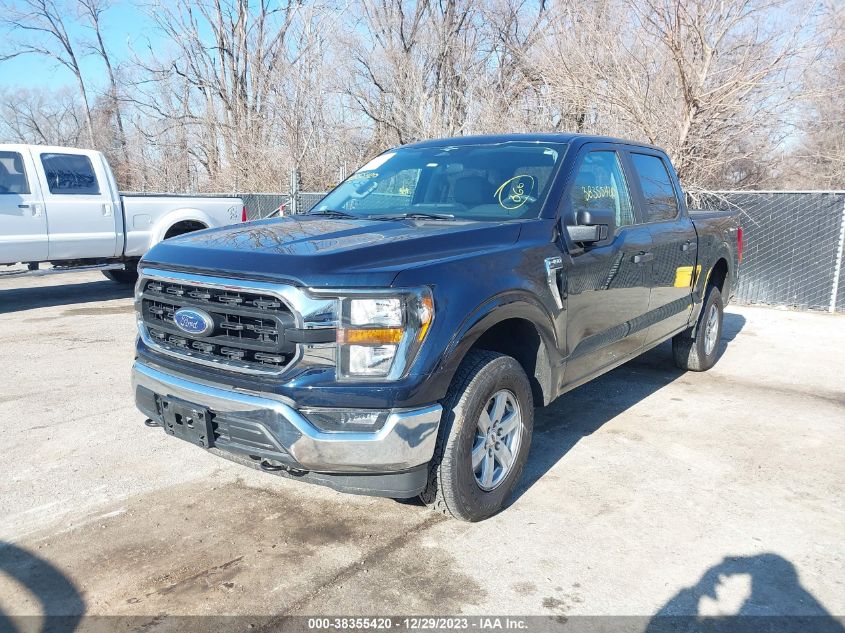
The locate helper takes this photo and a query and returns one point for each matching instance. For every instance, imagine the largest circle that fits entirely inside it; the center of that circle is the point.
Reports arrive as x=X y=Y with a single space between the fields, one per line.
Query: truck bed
x=148 y=215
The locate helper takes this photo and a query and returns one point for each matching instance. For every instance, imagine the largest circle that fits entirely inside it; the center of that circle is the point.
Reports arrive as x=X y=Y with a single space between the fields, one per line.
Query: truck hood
x=324 y=252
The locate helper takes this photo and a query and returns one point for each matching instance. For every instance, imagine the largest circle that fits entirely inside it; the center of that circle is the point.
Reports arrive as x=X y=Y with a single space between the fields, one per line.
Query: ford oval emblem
x=193 y=321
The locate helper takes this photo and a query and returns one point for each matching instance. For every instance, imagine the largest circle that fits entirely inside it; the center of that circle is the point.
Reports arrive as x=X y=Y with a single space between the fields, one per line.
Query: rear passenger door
x=23 y=224
x=674 y=243
x=80 y=208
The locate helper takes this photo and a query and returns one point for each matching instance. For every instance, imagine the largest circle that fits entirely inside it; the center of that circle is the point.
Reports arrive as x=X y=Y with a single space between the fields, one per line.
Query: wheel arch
x=718 y=275
x=518 y=326
x=188 y=218
x=715 y=268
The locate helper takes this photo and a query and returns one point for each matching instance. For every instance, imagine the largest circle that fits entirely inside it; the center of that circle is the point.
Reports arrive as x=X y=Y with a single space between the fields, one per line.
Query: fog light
x=348 y=420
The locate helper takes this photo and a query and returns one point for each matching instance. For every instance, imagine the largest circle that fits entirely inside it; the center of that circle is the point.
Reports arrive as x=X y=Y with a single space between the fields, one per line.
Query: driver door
x=607 y=283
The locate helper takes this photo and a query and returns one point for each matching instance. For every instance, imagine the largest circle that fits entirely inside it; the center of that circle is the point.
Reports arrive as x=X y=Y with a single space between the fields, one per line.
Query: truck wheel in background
x=700 y=353
x=127 y=276
x=484 y=437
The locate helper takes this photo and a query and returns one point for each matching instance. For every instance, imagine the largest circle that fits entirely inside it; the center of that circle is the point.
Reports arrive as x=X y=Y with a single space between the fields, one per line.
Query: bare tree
x=39 y=116
x=229 y=57
x=412 y=72
x=92 y=12
x=734 y=68
x=246 y=90
x=818 y=160
x=40 y=26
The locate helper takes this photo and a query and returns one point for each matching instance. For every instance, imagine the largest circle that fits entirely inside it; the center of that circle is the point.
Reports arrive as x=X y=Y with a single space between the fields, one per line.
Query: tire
x=700 y=352
x=122 y=276
x=485 y=381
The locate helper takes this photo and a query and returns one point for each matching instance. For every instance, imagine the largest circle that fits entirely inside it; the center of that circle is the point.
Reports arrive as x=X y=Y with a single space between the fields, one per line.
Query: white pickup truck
x=60 y=205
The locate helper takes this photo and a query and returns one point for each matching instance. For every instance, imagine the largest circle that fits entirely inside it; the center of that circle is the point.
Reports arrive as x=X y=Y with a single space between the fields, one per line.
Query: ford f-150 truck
x=395 y=340
x=61 y=205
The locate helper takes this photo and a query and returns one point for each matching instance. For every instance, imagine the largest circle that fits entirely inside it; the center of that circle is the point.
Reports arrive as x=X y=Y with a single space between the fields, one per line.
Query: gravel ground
x=648 y=491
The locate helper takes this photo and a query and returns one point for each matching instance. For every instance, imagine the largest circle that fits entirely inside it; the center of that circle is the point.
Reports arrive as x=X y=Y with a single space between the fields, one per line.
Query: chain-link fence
x=793 y=246
x=793 y=242
x=262 y=205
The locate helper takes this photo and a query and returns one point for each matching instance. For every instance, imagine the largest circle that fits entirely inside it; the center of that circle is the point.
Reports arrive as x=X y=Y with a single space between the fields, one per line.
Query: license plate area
x=187 y=421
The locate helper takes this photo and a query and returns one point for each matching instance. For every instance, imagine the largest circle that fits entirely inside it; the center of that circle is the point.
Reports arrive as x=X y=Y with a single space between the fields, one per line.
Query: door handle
x=689 y=246
x=642 y=258
x=107 y=208
x=23 y=206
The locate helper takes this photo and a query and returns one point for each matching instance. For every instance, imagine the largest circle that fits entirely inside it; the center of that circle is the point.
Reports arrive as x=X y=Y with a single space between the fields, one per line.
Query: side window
x=70 y=174
x=12 y=173
x=660 y=201
x=600 y=184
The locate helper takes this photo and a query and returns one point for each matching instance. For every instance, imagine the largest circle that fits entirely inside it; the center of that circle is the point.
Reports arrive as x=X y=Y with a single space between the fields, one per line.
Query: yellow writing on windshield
x=515 y=192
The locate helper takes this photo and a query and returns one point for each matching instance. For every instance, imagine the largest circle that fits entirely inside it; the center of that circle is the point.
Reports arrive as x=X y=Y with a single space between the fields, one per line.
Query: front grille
x=249 y=327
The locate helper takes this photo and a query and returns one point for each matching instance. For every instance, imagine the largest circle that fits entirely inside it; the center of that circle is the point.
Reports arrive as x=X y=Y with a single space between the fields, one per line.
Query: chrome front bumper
x=271 y=428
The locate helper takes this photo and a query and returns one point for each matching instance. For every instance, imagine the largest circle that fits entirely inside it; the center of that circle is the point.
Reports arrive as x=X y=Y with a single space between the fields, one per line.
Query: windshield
x=496 y=181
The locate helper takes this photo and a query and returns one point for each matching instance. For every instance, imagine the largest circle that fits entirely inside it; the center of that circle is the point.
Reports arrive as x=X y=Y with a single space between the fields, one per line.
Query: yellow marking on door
x=684 y=277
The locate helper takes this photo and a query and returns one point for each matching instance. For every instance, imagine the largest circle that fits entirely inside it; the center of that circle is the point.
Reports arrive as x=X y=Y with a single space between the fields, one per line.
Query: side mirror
x=592 y=226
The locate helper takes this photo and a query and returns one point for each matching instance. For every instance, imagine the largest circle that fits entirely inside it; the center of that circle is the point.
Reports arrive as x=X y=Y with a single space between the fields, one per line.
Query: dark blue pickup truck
x=395 y=340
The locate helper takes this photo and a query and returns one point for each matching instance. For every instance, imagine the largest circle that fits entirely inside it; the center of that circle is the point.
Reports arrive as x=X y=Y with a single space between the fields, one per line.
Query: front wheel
x=700 y=352
x=484 y=438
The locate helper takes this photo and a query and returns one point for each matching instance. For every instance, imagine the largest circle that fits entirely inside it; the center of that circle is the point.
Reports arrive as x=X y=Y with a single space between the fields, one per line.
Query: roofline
x=538 y=137
x=48 y=147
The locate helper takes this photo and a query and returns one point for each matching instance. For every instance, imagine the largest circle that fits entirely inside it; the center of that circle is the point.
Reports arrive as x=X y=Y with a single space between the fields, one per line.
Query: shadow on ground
x=58 y=597
x=771 y=599
x=19 y=299
x=582 y=411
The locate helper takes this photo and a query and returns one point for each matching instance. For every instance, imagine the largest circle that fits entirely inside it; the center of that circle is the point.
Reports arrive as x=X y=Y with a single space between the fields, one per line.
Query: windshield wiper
x=416 y=215
x=334 y=213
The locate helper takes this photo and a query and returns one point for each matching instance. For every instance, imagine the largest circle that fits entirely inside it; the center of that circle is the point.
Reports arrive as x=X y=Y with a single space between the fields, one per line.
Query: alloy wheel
x=497 y=438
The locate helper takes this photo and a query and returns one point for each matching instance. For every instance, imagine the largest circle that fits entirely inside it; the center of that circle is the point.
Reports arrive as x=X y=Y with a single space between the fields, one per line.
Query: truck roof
x=58 y=149
x=538 y=137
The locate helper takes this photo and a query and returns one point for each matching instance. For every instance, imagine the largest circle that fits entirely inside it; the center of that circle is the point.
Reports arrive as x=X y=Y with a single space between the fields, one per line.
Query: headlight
x=380 y=334
x=384 y=311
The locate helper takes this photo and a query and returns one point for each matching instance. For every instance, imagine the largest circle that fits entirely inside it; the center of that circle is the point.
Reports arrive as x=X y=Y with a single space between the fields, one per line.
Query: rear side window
x=70 y=174
x=600 y=184
x=660 y=201
x=12 y=173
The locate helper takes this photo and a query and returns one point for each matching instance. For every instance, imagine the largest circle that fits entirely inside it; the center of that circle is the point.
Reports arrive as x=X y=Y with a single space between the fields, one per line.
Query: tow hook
x=272 y=465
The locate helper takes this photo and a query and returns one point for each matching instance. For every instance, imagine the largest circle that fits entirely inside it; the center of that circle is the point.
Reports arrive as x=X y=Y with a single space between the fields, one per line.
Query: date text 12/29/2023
x=418 y=623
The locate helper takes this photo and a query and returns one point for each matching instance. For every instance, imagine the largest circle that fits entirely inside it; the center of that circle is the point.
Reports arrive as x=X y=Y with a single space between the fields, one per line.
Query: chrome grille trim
x=308 y=312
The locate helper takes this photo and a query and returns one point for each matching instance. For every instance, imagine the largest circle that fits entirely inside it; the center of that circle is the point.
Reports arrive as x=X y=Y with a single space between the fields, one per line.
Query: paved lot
x=648 y=490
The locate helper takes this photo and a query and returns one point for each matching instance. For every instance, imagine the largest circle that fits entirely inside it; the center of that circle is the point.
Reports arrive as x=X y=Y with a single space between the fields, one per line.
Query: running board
x=40 y=272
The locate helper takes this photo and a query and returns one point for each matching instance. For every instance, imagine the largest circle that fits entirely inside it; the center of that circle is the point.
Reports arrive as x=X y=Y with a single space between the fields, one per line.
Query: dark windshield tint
x=502 y=181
